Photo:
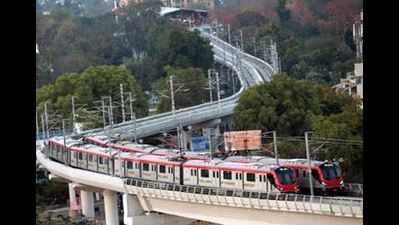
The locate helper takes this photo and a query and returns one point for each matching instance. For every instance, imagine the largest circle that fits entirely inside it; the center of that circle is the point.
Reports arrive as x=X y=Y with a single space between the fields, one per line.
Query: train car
x=127 y=146
x=58 y=150
x=240 y=176
x=326 y=175
x=94 y=158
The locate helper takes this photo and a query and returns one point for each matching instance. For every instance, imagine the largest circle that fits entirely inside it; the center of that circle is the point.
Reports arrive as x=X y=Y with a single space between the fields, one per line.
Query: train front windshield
x=285 y=175
x=330 y=171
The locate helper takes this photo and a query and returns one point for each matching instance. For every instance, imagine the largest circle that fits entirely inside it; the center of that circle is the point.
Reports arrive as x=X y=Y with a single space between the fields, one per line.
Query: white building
x=353 y=83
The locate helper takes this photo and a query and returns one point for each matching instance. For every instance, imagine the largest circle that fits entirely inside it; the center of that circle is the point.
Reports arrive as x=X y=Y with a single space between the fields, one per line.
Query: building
x=353 y=83
x=191 y=4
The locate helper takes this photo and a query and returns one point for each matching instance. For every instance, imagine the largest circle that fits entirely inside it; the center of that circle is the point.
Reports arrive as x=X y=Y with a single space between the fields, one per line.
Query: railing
x=352 y=207
x=354 y=188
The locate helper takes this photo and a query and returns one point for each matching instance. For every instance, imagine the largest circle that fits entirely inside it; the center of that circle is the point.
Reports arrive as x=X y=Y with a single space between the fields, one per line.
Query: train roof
x=140 y=157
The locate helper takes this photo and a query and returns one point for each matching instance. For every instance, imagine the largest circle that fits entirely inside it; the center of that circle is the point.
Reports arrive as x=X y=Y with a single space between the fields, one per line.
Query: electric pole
x=172 y=97
x=228 y=34
x=254 y=39
x=133 y=116
x=43 y=129
x=309 y=164
x=210 y=84
x=103 y=110
x=275 y=147
x=73 y=113
x=46 y=120
x=37 y=127
x=123 y=103
x=218 y=88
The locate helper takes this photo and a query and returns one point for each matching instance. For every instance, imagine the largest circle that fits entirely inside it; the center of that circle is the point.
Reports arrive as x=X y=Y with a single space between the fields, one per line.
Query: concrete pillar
x=131 y=208
x=97 y=196
x=87 y=201
x=73 y=204
x=111 y=208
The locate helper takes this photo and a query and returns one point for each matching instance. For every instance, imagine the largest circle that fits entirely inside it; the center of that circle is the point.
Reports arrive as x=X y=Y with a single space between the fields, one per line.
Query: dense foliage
x=142 y=40
x=90 y=86
x=314 y=37
x=292 y=107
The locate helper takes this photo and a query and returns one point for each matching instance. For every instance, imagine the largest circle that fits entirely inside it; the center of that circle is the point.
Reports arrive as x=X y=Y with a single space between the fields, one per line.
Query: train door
x=260 y=182
x=148 y=171
x=250 y=181
x=92 y=164
x=215 y=178
x=73 y=158
x=190 y=176
x=102 y=167
x=239 y=183
x=163 y=172
x=205 y=177
x=118 y=167
x=227 y=179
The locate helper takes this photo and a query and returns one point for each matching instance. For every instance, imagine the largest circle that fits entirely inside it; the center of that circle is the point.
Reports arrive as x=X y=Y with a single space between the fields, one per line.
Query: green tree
x=284 y=104
x=292 y=106
x=89 y=86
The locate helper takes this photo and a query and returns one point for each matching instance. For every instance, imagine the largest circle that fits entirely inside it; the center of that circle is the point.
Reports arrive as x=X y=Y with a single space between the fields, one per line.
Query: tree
x=89 y=86
x=292 y=106
x=189 y=87
x=284 y=104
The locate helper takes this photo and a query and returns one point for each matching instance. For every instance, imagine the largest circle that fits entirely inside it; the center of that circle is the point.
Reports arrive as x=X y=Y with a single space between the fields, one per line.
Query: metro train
x=127 y=146
x=206 y=173
x=326 y=175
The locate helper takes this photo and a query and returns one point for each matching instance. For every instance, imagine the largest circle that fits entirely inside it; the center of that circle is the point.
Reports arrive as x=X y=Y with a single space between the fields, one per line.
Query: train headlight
x=341 y=182
x=323 y=183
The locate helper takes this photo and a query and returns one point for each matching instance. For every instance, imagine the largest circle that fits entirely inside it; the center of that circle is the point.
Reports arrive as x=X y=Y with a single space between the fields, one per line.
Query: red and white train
x=169 y=168
x=326 y=175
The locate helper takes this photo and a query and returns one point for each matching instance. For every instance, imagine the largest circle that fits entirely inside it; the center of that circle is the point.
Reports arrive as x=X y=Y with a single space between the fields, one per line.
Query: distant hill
x=87 y=8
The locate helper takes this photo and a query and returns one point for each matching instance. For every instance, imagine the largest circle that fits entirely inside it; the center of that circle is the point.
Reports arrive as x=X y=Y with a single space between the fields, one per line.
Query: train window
x=260 y=178
x=195 y=172
x=129 y=165
x=264 y=178
x=80 y=156
x=236 y=176
x=304 y=173
x=192 y=172
x=226 y=175
x=146 y=167
x=250 y=177
x=213 y=173
x=100 y=160
x=217 y=173
x=137 y=165
x=162 y=169
x=204 y=173
x=90 y=158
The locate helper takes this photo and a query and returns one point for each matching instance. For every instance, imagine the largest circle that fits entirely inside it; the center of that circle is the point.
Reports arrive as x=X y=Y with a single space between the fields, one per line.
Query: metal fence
x=292 y=202
x=354 y=188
